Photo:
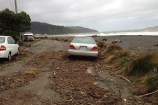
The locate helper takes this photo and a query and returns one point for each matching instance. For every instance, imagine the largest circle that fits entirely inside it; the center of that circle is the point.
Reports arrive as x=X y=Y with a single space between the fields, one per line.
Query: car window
x=2 y=39
x=9 y=40
x=13 y=41
x=87 y=40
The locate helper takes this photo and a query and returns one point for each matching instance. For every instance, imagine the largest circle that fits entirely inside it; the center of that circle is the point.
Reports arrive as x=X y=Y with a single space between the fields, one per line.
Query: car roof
x=4 y=36
x=83 y=37
x=28 y=33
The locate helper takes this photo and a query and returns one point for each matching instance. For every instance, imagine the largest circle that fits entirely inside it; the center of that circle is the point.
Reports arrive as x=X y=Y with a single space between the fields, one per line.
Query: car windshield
x=2 y=39
x=86 y=40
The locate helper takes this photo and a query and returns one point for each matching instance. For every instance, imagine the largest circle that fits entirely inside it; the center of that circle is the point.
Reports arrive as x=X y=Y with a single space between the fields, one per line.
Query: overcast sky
x=102 y=15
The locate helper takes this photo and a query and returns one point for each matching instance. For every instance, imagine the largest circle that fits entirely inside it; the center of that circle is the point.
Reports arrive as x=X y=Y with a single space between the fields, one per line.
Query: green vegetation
x=140 y=68
x=151 y=81
x=12 y=24
x=101 y=44
x=141 y=65
x=113 y=49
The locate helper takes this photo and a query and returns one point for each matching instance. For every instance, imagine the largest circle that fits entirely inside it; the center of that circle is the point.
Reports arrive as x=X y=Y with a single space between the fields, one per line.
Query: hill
x=78 y=29
x=45 y=28
x=151 y=29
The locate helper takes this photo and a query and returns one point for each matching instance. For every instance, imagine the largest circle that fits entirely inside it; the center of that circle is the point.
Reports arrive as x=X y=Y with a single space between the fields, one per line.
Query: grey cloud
x=103 y=15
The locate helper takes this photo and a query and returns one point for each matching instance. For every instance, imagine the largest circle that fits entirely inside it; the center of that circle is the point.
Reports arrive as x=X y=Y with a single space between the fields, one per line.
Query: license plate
x=83 y=48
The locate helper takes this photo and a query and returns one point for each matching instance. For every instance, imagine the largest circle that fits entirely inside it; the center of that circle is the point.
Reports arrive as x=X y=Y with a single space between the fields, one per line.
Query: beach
x=144 y=44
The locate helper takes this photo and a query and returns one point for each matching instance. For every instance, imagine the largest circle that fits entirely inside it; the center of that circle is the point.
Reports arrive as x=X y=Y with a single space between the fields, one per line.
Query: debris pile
x=17 y=79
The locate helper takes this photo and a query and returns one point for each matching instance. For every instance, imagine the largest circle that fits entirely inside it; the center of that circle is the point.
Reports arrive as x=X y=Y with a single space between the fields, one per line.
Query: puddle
x=110 y=82
x=104 y=85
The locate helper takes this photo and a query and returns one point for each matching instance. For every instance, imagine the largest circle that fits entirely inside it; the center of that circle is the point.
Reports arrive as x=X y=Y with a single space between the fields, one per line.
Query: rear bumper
x=3 y=54
x=83 y=53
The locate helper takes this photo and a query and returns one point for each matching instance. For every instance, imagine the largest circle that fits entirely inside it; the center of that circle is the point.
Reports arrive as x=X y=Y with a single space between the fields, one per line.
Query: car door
x=15 y=46
x=10 y=47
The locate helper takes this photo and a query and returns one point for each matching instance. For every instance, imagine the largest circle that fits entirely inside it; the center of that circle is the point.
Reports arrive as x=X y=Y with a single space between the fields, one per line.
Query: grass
x=45 y=37
x=141 y=68
x=117 y=55
x=151 y=82
x=111 y=49
x=101 y=44
x=146 y=84
x=140 y=65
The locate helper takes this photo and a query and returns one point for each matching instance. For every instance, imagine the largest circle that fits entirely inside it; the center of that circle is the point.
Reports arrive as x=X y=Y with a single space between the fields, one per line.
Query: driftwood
x=124 y=78
x=148 y=94
x=117 y=41
x=140 y=95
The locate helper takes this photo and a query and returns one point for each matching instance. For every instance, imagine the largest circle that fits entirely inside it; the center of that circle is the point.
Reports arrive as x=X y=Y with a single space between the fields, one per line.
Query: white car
x=83 y=46
x=8 y=47
x=28 y=36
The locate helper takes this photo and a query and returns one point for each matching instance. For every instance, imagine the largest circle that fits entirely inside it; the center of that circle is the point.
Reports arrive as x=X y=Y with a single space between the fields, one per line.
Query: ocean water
x=109 y=34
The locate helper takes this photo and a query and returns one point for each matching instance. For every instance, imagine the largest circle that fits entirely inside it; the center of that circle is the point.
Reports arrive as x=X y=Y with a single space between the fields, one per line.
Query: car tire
x=96 y=57
x=69 y=56
x=9 y=57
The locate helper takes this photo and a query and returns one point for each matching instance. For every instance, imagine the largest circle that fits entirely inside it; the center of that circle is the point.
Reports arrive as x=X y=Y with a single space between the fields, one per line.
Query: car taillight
x=2 y=48
x=72 y=46
x=95 y=48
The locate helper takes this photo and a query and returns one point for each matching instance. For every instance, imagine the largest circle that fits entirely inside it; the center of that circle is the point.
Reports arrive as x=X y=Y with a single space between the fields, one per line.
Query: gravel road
x=44 y=75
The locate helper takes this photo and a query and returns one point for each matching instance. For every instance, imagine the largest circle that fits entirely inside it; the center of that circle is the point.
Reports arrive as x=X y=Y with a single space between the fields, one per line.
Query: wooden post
x=16 y=11
x=16 y=8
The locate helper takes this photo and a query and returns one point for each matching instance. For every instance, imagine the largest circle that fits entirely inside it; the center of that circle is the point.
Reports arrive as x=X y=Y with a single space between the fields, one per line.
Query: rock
x=117 y=41
x=156 y=45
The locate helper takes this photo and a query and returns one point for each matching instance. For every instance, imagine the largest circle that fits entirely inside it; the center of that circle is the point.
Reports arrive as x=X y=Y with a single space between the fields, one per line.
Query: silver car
x=83 y=46
x=28 y=36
